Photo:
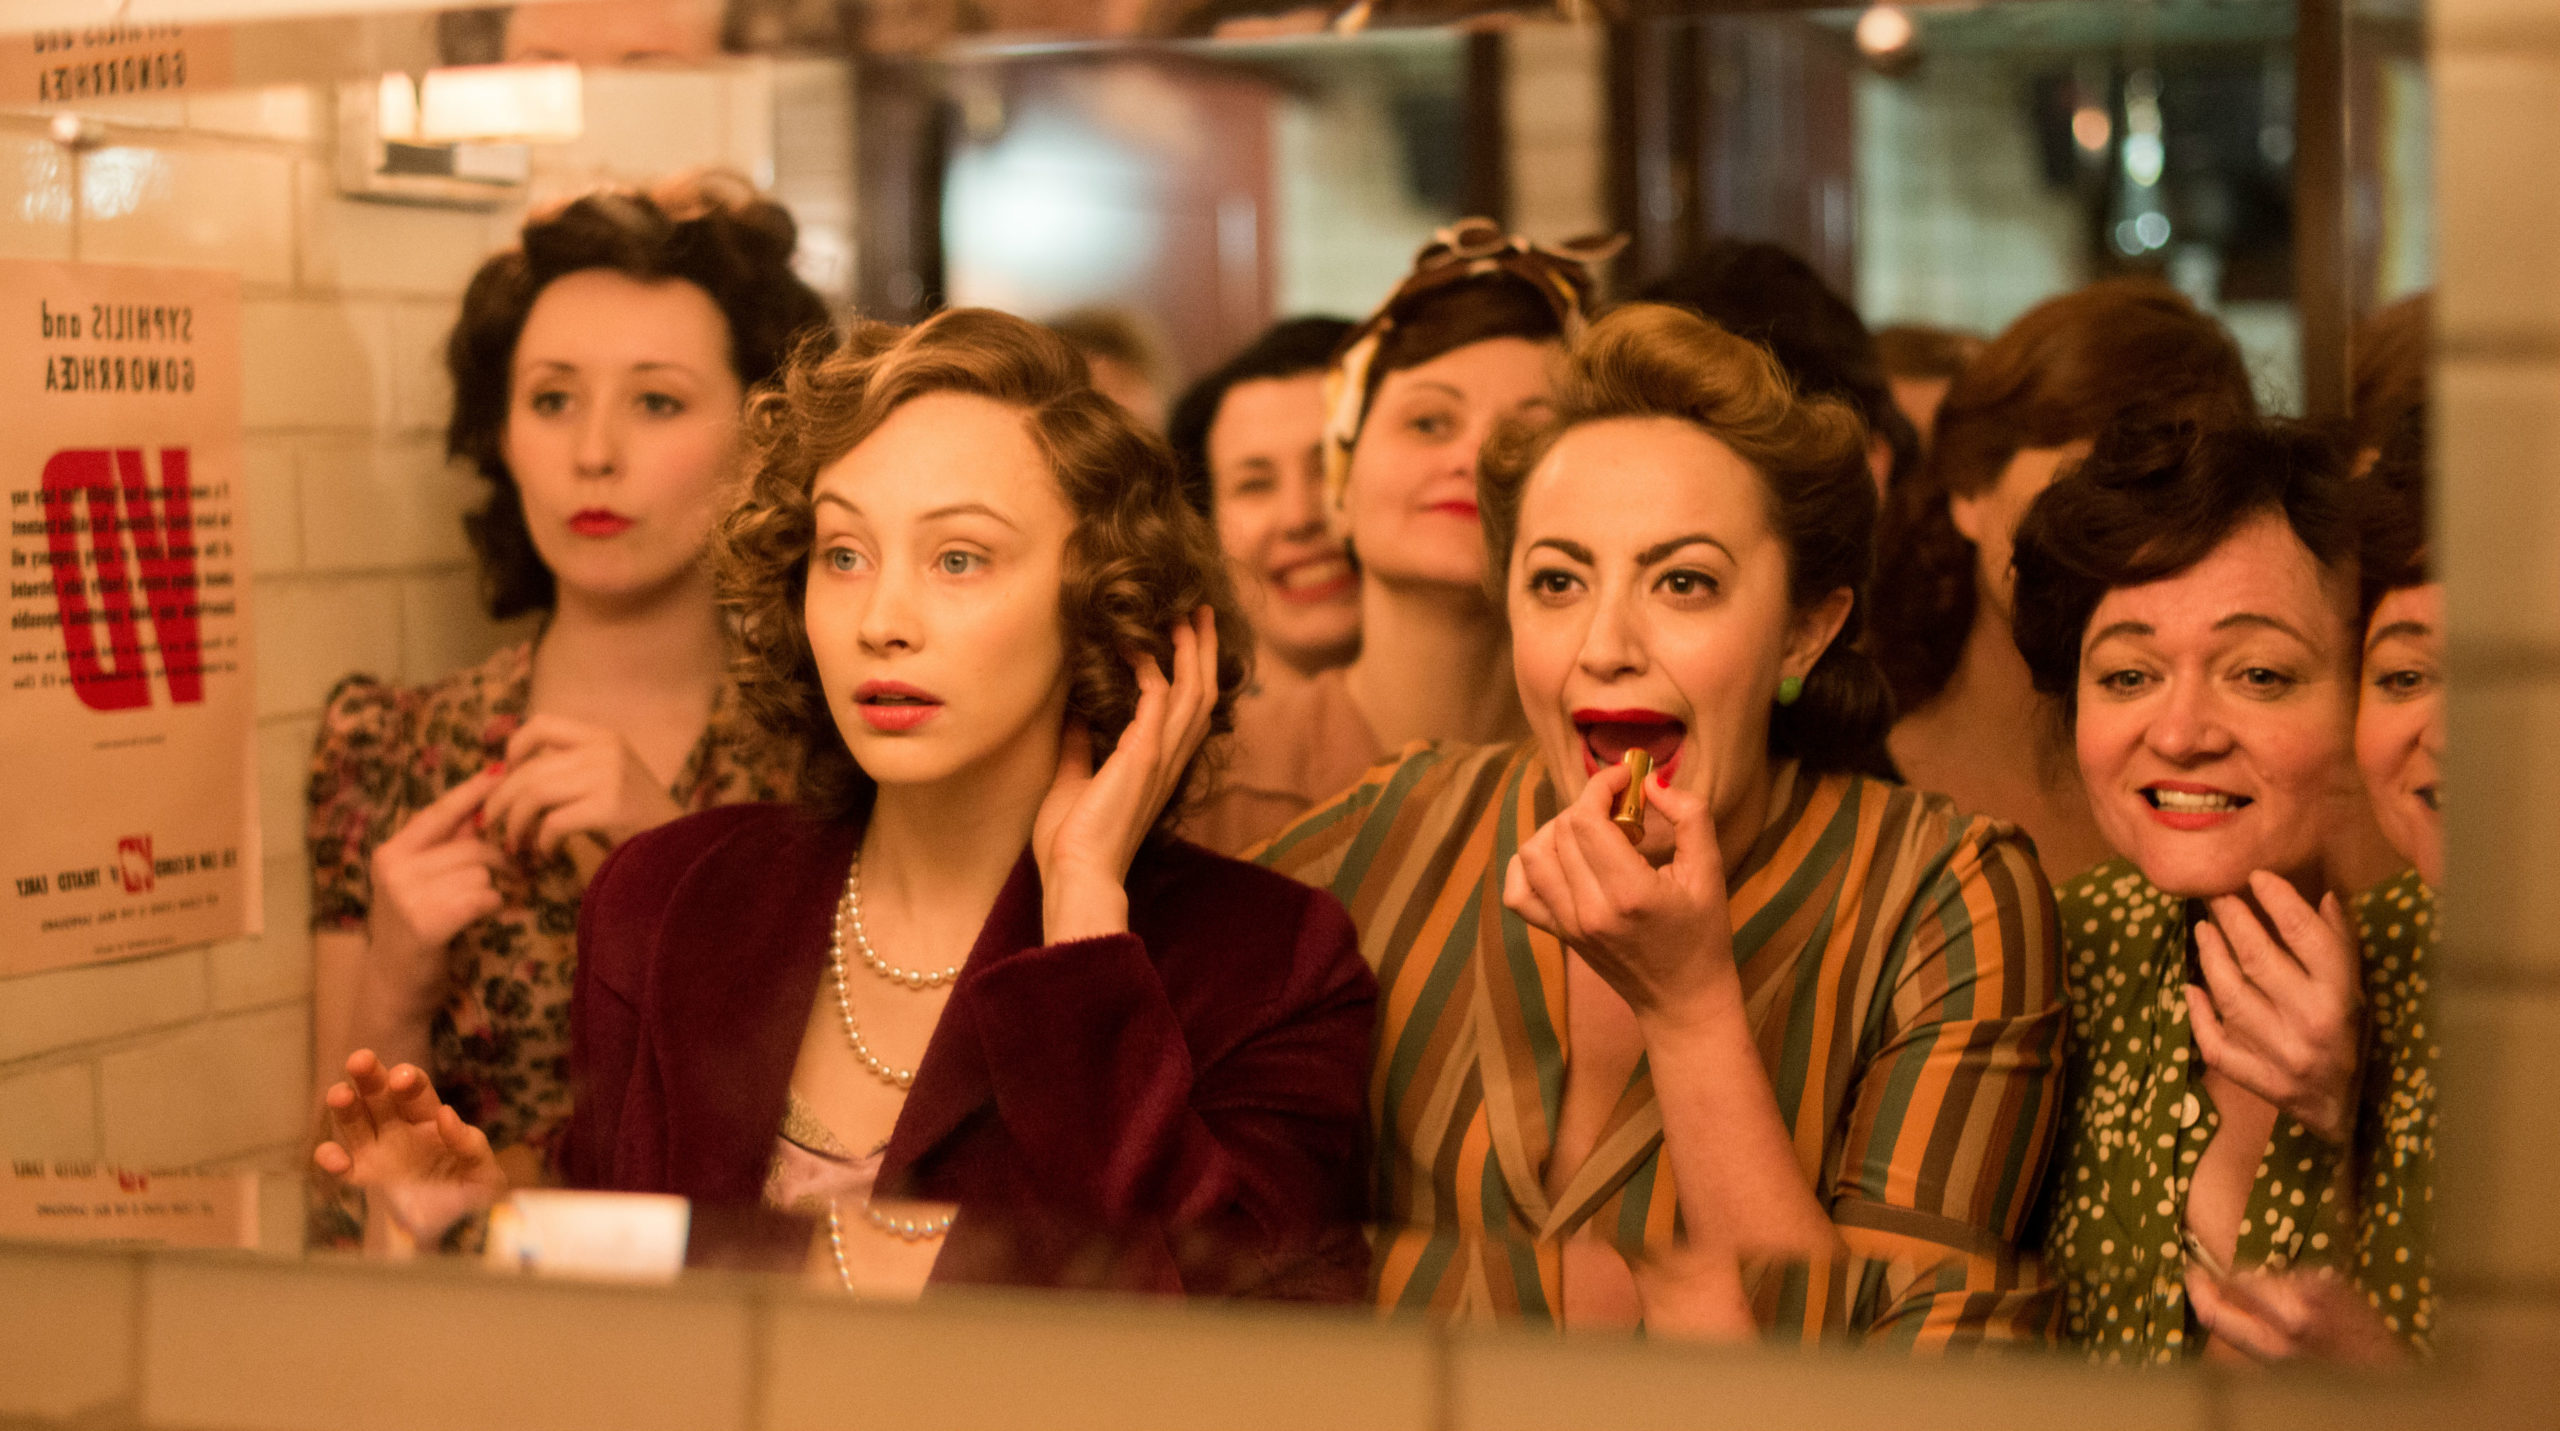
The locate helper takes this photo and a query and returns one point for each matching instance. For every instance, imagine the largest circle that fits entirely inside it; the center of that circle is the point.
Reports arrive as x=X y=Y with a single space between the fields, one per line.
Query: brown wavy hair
x=2122 y=350
x=710 y=229
x=1656 y=360
x=1139 y=560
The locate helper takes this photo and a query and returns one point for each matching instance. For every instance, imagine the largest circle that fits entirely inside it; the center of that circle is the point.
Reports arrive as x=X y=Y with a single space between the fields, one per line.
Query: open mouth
x=892 y=706
x=1321 y=579
x=1607 y=736
x=2184 y=806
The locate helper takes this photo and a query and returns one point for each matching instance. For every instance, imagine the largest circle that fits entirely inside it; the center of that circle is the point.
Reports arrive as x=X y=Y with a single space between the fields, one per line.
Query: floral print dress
x=500 y=1044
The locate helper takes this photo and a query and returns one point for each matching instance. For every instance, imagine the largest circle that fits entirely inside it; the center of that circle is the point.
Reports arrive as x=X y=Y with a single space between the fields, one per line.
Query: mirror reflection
x=1767 y=676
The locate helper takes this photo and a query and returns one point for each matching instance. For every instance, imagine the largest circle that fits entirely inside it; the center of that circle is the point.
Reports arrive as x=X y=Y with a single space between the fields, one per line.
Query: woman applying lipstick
x=1782 y=1065
x=1464 y=342
x=970 y=1006
x=2189 y=597
x=599 y=371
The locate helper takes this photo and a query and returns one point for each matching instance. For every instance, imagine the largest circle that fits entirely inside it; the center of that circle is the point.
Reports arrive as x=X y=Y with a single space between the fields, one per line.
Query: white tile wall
x=355 y=541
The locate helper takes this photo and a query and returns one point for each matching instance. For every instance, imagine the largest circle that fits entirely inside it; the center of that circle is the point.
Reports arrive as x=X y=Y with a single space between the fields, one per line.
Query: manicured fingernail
x=497 y=767
x=1662 y=778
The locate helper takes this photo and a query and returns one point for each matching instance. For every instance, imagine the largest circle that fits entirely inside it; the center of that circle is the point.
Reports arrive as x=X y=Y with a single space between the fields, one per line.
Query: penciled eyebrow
x=956 y=509
x=2260 y=621
x=1660 y=550
x=1571 y=551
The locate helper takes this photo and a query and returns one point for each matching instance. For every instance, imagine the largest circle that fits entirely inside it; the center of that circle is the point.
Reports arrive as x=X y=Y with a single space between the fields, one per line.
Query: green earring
x=1789 y=687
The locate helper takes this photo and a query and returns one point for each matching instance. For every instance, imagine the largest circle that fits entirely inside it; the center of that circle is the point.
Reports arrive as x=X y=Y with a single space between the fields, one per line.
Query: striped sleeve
x=1953 y=1112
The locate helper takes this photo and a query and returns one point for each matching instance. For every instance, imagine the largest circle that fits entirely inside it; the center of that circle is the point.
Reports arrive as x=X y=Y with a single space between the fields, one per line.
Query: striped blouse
x=1897 y=964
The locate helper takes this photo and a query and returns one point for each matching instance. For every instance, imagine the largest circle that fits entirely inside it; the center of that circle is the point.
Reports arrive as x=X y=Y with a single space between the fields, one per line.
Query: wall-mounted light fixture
x=457 y=136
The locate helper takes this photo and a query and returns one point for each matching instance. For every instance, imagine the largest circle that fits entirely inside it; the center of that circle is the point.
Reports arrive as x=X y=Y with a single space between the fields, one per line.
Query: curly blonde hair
x=1139 y=561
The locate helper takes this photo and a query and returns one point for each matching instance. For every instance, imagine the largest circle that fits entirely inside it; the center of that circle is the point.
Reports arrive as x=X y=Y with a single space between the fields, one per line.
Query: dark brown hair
x=709 y=230
x=2390 y=504
x=2069 y=369
x=1473 y=310
x=1654 y=360
x=2387 y=369
x=1140 y=560
x=1917 y=350
x=2151 y=502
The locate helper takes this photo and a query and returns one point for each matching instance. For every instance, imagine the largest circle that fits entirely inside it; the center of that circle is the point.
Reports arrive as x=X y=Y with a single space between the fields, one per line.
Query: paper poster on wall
x=127 y=713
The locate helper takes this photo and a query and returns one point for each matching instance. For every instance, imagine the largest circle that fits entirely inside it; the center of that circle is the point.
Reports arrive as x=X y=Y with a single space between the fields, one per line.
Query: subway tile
x=358 y=245
x=2498 y=1147
x=281 y=111
x=644 y=124
x=314 y=630
x=2492 y=24
x=66 y=1007
x=444 y=627
x=274 y=504
x=2499 y=453
x=372 y=505
x=35 y=176
x=2498 y=138
x=67 y=1324
x=421 y=394
x=1524 y=1381
x=244 y=1344
x=2492 y=1373
x=201 y=204
x=212 y=1090
x=271 y=967
x=1096 y=1363
x=284 y=772
x=52 y=1114
x=315 y=363
x=2503 y=767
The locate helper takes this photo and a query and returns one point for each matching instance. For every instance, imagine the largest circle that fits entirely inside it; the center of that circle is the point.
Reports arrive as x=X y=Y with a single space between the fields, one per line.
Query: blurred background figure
x=2022 y=412
x=1127 y=361
x=600 y=371
x=1919 y=363
x=1250 y=441
x=1464 y=343
x=1767 y=294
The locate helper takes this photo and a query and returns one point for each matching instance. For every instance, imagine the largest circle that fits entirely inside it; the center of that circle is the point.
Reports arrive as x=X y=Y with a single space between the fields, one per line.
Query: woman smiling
x=1782 y=1062
x=2189 y=597
x=971 y=1007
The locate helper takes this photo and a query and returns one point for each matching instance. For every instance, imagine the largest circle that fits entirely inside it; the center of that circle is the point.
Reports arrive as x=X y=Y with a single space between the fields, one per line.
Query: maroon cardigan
x=1182 y=1108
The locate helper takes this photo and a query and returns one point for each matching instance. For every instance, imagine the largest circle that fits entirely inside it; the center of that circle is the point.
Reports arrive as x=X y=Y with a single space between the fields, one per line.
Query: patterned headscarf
x=1468 y=249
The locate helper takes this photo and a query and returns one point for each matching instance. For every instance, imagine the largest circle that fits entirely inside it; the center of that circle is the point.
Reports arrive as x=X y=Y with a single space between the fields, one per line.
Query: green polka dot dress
x=2136 y=1118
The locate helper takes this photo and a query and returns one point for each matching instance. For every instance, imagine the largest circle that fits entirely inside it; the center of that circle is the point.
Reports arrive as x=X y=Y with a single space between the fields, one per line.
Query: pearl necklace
x=849 y=914
x=852 y=904
x=904 y=1229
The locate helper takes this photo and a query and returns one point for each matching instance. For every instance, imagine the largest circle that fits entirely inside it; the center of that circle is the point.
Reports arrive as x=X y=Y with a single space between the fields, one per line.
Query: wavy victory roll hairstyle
x=1139 y=561
x=2152 y=501
x=710 y=229
x=1654 y=360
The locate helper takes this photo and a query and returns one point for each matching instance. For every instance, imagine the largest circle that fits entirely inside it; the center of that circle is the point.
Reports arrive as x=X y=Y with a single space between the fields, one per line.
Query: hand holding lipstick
x=1661 y=937
x=566 y=776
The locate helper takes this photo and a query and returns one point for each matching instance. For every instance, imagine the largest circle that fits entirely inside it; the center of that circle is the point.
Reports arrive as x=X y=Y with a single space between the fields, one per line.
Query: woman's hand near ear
x=1092 y=822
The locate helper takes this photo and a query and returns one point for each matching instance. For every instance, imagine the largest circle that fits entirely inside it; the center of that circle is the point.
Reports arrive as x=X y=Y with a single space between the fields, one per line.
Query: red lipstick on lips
x=893 y=707
x=2205 y=807
x=1456 y=508
x=599 y=522
x=1607 y=736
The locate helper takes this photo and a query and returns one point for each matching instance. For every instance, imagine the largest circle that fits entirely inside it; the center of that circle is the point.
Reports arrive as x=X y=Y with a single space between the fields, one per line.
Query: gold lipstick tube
x=1630 y=815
